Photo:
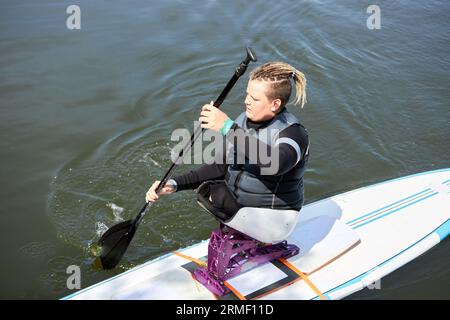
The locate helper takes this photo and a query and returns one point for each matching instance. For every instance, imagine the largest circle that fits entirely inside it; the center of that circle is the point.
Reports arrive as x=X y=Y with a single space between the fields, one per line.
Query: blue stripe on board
x=423 y=196
x=381 y=183
x=389 y=205
x=445 y=225
x=392 y=211
x=444 y=230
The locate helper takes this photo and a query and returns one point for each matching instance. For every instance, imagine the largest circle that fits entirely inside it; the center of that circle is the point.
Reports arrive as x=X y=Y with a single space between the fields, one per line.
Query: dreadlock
x=278 y=74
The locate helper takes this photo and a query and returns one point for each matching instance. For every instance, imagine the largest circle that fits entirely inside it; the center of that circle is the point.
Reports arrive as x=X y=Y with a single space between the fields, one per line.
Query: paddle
x=115 y=240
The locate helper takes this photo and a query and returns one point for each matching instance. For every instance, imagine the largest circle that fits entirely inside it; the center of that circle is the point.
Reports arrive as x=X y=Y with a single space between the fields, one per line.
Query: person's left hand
x=212 y=118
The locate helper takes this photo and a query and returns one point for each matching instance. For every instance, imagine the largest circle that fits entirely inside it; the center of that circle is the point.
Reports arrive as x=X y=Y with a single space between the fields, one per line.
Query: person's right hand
x=151 y=195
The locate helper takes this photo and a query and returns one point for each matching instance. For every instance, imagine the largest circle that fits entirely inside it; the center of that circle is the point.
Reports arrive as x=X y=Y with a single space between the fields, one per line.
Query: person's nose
x=247 y=101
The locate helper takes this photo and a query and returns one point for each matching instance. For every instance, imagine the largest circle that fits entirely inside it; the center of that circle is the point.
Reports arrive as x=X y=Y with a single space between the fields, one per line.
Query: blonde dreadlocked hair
x=278 y=75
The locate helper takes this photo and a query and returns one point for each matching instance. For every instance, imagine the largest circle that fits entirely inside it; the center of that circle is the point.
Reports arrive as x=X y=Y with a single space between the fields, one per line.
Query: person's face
x=257 y=106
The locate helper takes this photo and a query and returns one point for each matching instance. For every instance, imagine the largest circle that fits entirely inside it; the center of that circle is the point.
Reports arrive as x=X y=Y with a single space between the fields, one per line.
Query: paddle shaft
x=240 y=70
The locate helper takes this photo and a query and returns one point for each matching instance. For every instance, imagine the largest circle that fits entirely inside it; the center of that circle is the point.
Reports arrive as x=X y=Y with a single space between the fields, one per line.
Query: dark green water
x=87 y=117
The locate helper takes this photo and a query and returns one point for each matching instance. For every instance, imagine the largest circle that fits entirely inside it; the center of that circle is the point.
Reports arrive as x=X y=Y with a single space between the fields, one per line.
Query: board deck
x=347 y=242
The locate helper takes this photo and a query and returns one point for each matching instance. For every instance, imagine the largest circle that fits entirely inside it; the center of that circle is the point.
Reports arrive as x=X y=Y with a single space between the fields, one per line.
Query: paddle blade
x=114 y=243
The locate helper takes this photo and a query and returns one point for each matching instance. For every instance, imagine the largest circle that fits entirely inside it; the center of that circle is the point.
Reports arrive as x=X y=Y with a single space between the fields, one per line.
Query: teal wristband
x=226 y=127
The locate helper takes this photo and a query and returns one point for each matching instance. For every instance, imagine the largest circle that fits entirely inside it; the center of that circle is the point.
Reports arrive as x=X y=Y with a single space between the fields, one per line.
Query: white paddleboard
x=347 y=242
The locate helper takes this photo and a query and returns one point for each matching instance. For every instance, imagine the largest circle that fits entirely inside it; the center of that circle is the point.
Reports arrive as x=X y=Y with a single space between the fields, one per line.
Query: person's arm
x=194 y=178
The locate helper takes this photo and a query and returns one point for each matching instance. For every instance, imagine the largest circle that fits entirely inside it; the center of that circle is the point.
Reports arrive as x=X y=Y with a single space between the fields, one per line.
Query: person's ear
x=276 y=104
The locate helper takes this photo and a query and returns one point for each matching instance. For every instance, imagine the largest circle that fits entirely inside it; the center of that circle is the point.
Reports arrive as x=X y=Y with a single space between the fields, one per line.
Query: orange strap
x=195 y=260
x=284 y=261
x=304 y=277
x=232 y=289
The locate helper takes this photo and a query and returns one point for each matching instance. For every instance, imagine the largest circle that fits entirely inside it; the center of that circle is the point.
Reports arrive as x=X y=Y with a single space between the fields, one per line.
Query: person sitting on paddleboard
x=225 y=188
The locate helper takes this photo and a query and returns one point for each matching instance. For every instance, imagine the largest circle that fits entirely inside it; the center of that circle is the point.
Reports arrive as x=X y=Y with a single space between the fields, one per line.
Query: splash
x=117 y=211
x=100 y=228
